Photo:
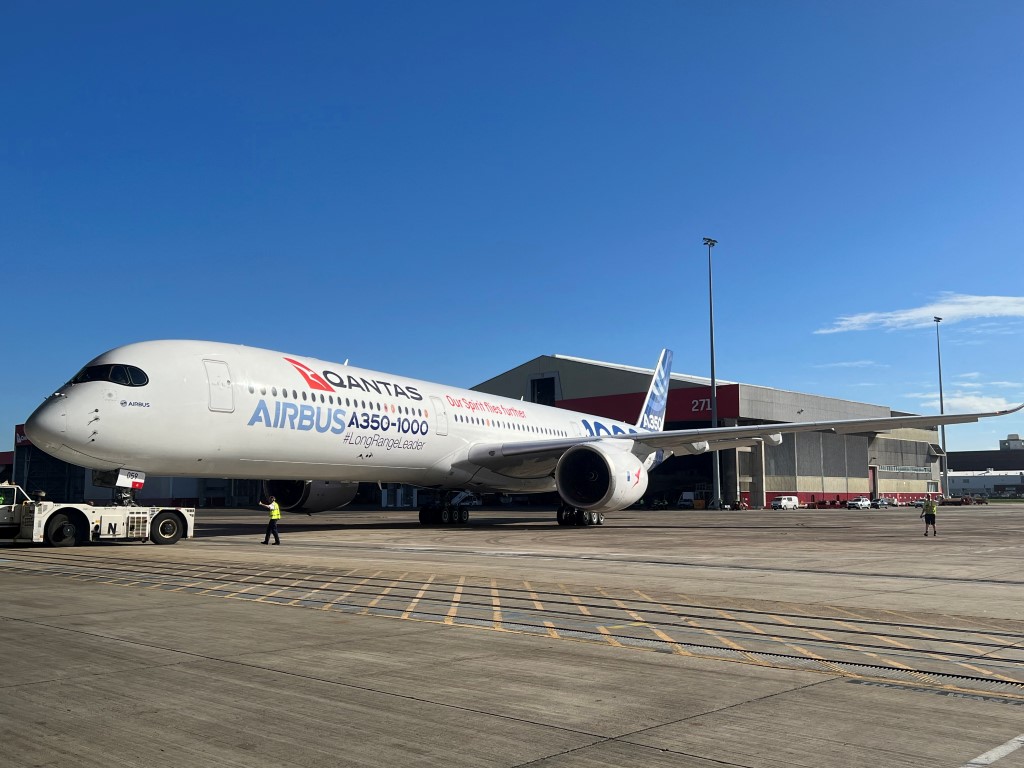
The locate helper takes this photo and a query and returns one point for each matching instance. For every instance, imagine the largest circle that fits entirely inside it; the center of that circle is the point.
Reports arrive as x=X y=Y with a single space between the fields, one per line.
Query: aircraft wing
x=681 y=438
x=536 y=458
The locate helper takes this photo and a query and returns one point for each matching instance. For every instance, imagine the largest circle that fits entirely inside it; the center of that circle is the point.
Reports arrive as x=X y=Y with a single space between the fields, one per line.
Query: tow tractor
x=65 y=525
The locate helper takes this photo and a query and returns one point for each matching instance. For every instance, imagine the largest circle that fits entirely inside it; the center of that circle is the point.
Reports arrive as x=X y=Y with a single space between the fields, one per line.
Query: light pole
x=944 y=466
x=716 y=479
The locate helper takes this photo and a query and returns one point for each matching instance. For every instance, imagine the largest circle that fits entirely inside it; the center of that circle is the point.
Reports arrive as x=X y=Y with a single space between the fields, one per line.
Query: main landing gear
x=567 y=515
x=444 y=513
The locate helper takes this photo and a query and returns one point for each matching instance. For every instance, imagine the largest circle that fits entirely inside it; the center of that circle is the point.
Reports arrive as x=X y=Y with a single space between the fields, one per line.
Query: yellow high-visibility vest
x=275 y=511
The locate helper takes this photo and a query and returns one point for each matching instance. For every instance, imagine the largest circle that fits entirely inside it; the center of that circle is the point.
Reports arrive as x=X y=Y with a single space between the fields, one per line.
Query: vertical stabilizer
x=652 y=416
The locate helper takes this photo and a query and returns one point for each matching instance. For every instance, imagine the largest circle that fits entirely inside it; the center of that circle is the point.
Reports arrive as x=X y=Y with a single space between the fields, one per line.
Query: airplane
x=312 y=430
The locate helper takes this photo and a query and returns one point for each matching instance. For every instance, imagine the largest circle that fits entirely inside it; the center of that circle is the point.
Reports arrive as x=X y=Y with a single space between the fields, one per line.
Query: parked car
x=785 y=502
x=918 y=502
x=882 y=503
x=861 y=502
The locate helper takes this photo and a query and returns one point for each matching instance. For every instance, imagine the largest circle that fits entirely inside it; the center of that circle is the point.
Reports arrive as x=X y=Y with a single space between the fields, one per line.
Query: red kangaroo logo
x=314 y=379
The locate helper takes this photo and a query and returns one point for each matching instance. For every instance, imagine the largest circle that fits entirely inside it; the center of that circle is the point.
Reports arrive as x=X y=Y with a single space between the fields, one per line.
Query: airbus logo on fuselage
x=303 y=418
x=322 y=381
x=597 y=428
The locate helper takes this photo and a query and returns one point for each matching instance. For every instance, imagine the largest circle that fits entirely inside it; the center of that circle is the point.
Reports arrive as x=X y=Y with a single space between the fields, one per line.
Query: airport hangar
x=819 y=468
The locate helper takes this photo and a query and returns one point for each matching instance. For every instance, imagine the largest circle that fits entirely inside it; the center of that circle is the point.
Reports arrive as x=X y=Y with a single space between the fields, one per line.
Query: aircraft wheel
x=464 y=515
x=61 y=532
x=446 y=516
x=165 y=528
x=600 y=518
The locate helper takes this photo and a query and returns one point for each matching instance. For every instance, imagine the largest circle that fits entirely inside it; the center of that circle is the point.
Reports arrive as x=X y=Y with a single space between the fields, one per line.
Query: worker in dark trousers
x=928 y=513
x=275 y=515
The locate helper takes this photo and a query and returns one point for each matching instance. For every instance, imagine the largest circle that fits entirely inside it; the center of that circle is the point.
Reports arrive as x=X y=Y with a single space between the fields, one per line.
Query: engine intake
x=600 y=477
x=310 y=495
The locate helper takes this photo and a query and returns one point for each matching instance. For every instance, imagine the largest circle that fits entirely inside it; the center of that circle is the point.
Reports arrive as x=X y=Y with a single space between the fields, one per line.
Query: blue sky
x=445 y=190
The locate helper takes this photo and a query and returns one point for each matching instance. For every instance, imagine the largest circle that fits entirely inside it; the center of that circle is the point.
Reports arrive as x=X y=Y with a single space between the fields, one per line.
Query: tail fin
x=653 y=414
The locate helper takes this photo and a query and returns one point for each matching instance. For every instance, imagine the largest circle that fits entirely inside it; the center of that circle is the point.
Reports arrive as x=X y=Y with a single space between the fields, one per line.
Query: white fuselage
x=210 y=409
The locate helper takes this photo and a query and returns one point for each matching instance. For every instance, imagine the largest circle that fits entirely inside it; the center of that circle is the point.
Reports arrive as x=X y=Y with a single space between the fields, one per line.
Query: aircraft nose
x=48 y=424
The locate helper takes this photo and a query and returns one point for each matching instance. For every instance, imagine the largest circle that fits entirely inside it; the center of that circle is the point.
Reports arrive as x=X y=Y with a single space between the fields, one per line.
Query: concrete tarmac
x=663 y=638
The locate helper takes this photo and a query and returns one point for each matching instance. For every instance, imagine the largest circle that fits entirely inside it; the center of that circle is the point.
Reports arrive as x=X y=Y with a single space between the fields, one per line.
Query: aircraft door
x=221 y=395
x=442 y=416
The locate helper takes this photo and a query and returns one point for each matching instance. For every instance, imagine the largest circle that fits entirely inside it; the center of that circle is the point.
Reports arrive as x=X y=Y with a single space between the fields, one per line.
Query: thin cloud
x=967 y=403
x=951 y=307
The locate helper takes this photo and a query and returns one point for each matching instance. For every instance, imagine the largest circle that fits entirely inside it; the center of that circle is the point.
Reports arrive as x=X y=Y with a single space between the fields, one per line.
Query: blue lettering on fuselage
x=302 y=418
x=597 y=429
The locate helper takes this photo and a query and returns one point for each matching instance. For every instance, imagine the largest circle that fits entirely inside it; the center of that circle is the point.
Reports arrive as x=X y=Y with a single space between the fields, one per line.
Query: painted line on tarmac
x=456 y=597
x=411 y=608
x=996 y=754
x=496 y=605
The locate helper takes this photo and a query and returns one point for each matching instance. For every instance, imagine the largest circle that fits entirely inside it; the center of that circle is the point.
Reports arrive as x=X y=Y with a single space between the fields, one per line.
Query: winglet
x=652 y=416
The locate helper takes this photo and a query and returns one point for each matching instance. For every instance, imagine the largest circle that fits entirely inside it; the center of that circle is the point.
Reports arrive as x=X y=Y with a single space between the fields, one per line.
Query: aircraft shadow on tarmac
x=254 y=524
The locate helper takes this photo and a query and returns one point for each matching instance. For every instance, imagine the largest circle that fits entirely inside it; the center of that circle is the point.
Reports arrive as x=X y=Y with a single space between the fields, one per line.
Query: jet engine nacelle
x=600 y=477
x=310 y=495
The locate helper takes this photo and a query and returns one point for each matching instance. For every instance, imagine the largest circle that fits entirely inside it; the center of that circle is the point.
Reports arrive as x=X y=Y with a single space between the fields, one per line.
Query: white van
x=785 y=502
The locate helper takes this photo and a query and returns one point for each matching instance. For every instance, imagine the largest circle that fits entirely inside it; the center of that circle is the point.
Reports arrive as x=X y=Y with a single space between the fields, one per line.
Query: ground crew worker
x=275 y=515
x=928 y=513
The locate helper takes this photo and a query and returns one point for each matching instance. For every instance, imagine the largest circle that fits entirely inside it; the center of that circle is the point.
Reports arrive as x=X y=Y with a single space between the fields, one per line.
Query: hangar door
x=219 y=378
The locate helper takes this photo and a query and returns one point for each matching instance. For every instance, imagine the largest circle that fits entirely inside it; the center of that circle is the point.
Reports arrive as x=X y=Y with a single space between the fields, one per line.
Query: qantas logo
x=635 y=477
x=314 y=379
x=329 y=381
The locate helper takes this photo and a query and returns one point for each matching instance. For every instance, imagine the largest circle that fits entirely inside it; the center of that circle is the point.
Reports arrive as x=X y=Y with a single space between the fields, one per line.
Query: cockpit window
x=126 y=375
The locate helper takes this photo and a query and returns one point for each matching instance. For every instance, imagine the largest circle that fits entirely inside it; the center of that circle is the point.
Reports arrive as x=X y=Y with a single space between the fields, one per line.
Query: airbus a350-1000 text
x=314 y=430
